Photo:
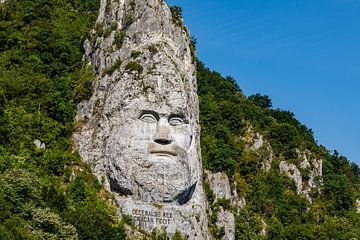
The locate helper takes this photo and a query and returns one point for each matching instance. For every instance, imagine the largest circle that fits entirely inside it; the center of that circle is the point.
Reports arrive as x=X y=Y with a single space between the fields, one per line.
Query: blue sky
x=305 y=55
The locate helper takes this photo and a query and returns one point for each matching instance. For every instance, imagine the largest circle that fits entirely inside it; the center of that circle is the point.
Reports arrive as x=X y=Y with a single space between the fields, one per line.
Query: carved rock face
x=154 y=162
x=140 y=129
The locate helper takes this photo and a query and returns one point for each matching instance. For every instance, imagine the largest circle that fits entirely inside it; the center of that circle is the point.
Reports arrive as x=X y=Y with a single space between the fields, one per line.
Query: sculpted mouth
x=169 y=150
x=163 y=153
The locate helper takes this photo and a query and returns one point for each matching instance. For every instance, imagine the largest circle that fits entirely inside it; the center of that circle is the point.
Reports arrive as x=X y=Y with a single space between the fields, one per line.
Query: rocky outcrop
x=358 y=206
x=226 y=220
x=292 y=172
x=306 y=173
x=140 y=128
x=220 y=186
x=307 y=177
x=255 y=142
x=39 y=144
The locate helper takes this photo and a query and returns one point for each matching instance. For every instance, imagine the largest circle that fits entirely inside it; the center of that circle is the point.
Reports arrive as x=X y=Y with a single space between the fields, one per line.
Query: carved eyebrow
x=155 y=114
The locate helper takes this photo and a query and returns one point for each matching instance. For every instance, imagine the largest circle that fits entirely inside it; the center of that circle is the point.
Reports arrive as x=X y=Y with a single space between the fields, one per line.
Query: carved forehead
x=165 y=107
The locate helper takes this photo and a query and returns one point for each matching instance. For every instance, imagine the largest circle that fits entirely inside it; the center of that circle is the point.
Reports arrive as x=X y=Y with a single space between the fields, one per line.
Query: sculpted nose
x=163 y=132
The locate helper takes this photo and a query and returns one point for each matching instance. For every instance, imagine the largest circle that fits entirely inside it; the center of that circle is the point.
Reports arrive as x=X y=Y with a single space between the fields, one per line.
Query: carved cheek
x=182 y=136
x=145 y=131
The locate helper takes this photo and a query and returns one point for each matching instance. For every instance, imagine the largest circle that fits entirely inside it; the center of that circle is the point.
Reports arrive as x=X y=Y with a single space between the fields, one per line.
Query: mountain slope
x=46 y=191
x=294 y=188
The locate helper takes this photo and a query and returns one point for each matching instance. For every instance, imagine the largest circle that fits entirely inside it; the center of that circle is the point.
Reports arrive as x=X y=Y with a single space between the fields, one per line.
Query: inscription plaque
x=141 y=216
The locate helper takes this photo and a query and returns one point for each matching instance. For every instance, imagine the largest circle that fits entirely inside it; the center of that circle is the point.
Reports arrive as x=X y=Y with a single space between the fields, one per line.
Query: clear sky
x=303 y=54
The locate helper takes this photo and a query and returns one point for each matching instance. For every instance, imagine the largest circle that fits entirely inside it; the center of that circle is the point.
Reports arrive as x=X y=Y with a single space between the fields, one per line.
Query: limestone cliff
x=306 y=171
x=140 y=128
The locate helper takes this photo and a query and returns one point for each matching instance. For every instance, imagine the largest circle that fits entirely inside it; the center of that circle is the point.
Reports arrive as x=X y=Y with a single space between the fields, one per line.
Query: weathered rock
x=264 y=228
x=39 y=144
x=220 y=185
x=314 y=167
x=256 y=143
x=140 y=128
x=226 y=220
x=253 y=140
x=358 y=205
x=311 y=178
x=292 y=172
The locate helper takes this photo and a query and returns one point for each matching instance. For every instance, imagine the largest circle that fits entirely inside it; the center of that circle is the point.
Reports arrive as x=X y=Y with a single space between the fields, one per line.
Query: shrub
x=115 y=66
x=153 y=49
x=176 y=13
x=84 y=86
x=134 y=66
x=119 y=38
x=135 y=54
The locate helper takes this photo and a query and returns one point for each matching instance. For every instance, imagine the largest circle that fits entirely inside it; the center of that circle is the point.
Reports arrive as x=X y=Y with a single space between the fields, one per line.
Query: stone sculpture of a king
x=140 y=130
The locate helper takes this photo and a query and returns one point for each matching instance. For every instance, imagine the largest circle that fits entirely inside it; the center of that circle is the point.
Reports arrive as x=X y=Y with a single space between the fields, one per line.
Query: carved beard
x=164 y=180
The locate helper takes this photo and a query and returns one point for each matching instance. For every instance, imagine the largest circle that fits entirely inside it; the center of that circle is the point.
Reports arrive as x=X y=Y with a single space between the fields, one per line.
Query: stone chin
x=164 y=181
x=160 y=176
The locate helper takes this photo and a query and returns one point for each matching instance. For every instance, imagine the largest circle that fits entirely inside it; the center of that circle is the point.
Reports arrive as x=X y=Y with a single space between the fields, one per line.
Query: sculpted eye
x=149 y=118
x=176 y=121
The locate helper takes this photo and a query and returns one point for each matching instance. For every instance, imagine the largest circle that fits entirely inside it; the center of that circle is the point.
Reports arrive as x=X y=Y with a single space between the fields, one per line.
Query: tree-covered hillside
x=47 y=192
x=226 y=116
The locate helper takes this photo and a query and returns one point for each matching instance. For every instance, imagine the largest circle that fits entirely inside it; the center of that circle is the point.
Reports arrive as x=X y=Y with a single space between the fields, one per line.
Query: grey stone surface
x=226 y=220
x=255 y=142
x=39 y=144
x=309 y=164
x=140 y=128
x=220 y=185
x=292 y=172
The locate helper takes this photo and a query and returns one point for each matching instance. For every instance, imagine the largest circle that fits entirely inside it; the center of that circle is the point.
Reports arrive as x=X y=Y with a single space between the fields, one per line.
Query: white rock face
x=304 y=184
x=226 y=220
x=140 y=127
x=258 y=141
x=358 y=206
x=292 y=172
x=220 y=185
x=39 y=144
x=255 y=142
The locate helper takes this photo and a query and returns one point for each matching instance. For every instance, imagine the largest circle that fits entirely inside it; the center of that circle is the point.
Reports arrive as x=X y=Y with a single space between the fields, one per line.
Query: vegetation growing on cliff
x=47 y=193
x=225 y=116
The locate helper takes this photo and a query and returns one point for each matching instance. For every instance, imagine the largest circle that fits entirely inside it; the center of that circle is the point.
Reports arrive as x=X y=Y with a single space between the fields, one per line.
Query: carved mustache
x=170 y=149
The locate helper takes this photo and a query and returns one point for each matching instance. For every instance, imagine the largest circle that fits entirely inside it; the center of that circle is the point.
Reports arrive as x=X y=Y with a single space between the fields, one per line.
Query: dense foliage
x=226 y=116
x=46 y=193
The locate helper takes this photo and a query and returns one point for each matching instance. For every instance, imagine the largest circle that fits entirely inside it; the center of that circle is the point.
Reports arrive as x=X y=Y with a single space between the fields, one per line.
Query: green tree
x=262 y=101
